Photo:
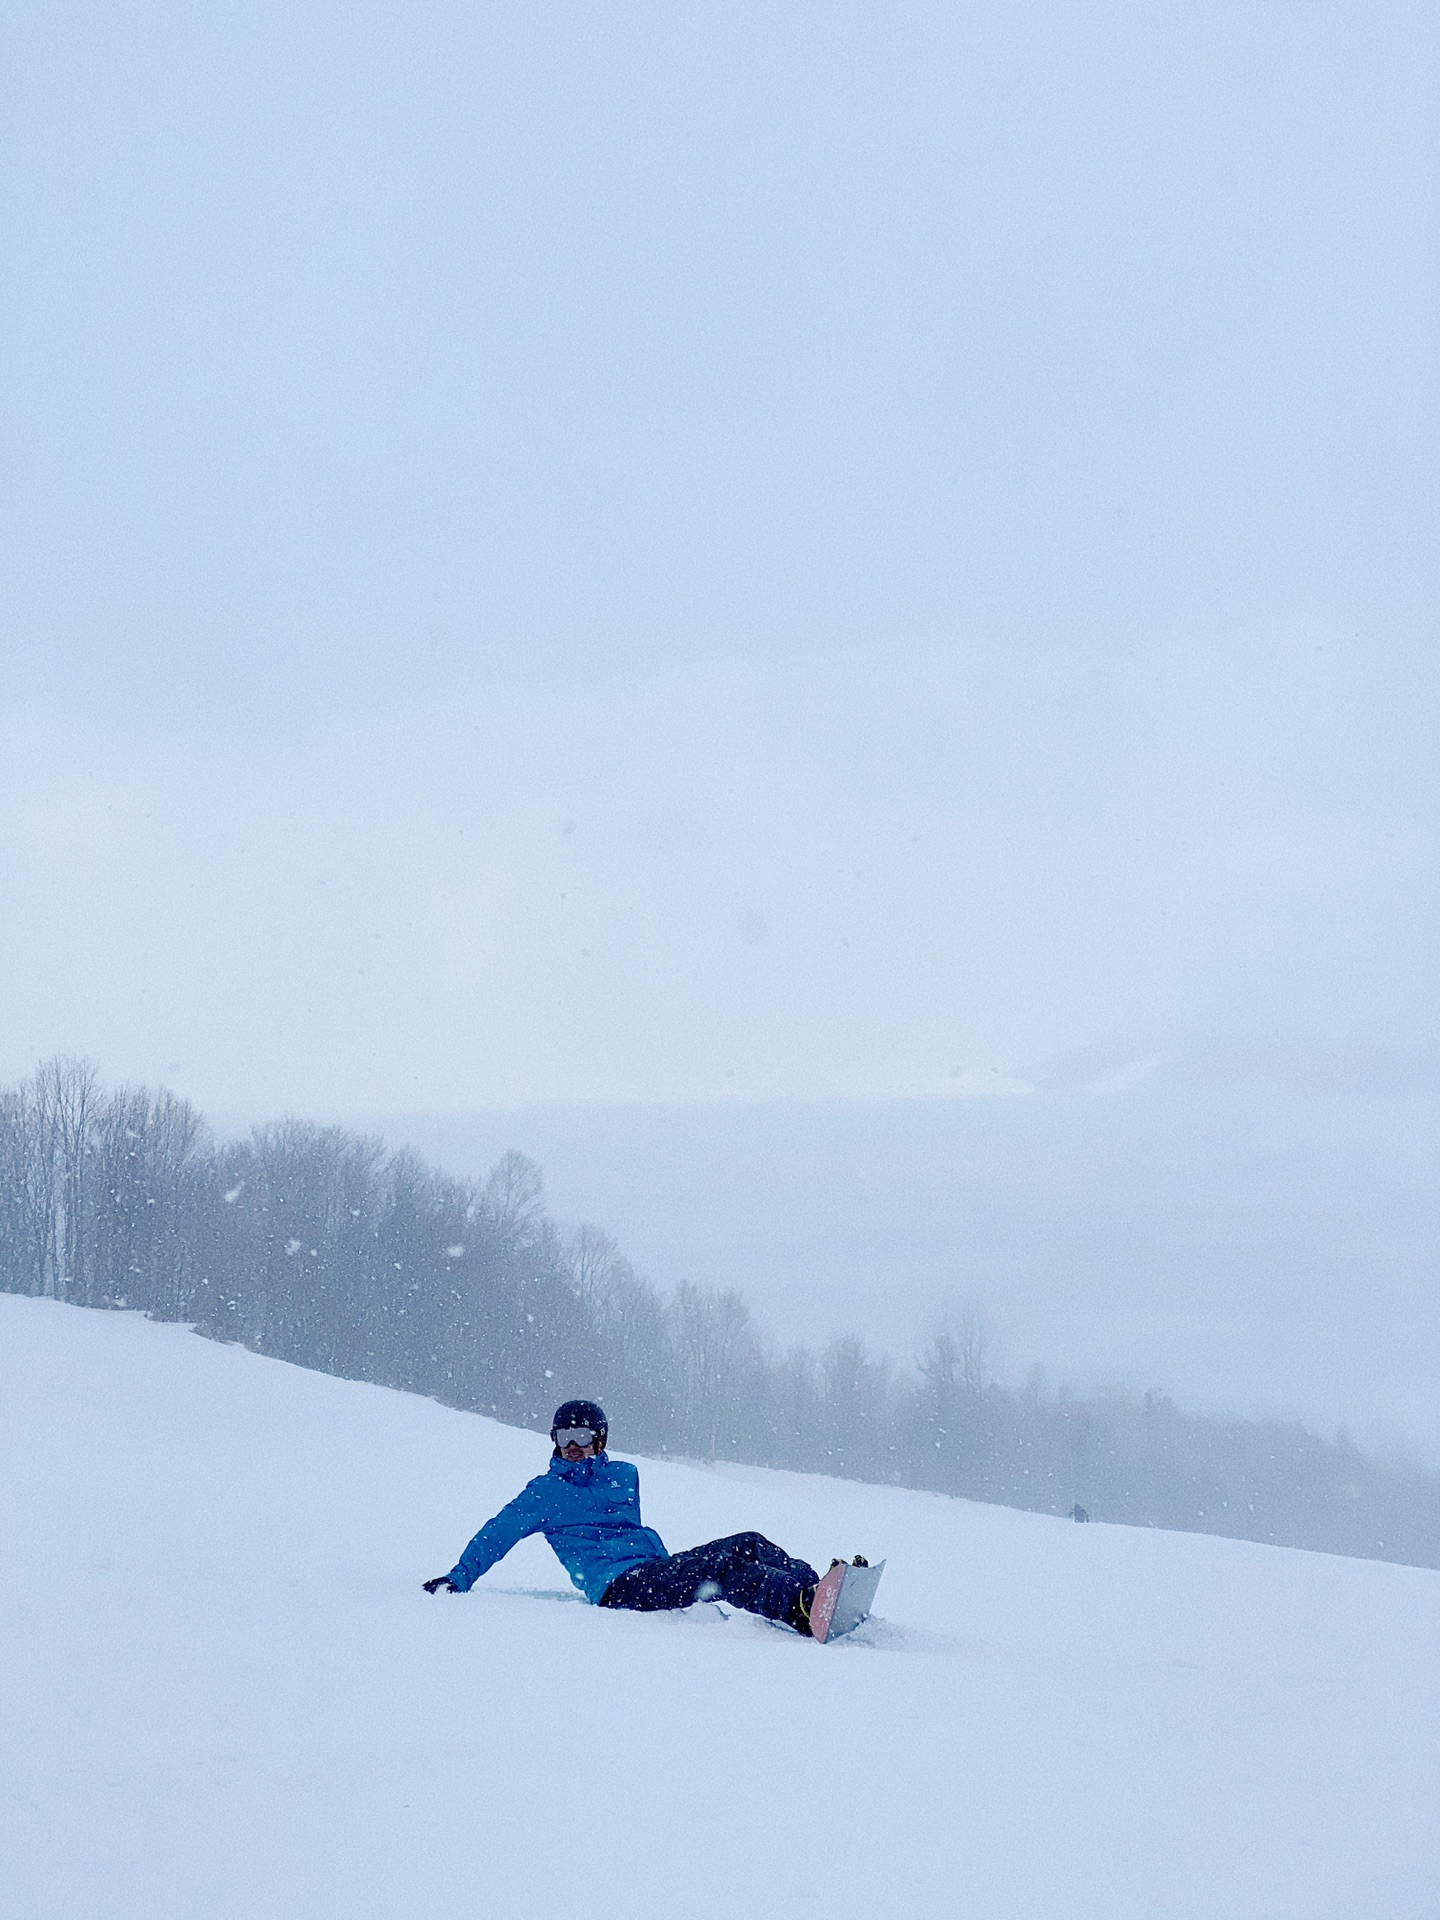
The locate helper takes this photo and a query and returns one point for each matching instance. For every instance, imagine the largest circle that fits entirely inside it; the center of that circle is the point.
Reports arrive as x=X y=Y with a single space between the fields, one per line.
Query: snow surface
x=226 y=1695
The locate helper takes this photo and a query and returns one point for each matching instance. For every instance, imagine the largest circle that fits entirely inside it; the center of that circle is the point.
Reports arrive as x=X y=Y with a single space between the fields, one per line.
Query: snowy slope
x=225 y=1695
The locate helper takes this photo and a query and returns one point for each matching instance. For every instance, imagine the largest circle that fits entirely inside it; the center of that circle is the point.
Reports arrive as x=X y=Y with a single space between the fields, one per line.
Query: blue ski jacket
x=590 y=1514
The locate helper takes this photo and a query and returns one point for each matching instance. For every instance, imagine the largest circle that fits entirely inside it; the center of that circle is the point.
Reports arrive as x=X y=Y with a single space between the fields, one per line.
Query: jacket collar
x=579 y=1471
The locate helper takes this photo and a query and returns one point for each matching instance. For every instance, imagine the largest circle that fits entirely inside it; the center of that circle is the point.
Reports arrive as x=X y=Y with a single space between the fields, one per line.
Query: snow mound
x=226 y=1695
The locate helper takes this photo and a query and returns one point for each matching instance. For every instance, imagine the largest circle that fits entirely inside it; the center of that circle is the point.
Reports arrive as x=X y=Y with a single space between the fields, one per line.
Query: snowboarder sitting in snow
x=588 y=1508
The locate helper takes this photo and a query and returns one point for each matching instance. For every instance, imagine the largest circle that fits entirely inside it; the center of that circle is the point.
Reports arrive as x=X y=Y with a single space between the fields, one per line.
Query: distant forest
x=315 y=1245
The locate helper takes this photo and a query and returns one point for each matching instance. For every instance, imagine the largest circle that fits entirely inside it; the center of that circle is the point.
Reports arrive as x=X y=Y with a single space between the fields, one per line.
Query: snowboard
x=843 y=1599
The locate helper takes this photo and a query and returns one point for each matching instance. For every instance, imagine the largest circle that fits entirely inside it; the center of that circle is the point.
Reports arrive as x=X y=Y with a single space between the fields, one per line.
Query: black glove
x=442 y=1583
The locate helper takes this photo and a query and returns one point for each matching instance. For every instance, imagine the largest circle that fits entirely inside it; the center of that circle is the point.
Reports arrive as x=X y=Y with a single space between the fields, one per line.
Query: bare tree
x=596 y=1264
x=514 y=1195
x=145 y=1151
x=66 y=1094
x=717 y=1351
x=27 y=1191
x=975 y=1373
x=955 y=1378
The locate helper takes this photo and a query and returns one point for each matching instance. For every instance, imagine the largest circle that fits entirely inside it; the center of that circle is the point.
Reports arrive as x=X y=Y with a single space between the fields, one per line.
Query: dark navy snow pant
x=746 y=1569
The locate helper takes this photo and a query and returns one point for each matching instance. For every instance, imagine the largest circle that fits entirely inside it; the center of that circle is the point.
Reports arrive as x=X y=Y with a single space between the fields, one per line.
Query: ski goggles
x=573 y=1437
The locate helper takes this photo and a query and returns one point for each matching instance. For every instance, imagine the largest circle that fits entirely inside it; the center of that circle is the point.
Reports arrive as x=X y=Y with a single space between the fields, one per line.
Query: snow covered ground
x=224 y=1693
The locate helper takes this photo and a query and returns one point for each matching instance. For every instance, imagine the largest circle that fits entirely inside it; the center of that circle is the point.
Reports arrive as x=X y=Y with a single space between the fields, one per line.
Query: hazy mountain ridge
x=315 y=1245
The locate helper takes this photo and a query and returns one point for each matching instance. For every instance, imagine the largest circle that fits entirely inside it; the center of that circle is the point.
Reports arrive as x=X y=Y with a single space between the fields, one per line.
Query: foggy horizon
x=1260 y=1251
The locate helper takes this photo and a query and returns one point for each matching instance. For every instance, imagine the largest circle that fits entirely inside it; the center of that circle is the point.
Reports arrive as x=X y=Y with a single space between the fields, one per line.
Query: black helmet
x=580 y=1413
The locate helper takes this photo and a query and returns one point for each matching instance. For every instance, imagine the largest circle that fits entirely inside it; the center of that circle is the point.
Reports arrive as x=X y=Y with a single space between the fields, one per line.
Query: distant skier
x=588 y=1508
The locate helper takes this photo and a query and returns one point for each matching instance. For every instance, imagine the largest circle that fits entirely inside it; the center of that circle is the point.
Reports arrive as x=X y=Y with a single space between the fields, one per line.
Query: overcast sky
x=846 y=553
x=651 y=551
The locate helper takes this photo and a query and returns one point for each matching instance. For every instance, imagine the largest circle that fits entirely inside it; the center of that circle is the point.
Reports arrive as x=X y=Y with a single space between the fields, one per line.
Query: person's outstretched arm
x=523 y=1516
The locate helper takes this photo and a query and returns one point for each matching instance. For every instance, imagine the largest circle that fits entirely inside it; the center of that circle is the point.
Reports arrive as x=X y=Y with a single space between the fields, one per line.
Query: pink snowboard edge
x=822 y=1607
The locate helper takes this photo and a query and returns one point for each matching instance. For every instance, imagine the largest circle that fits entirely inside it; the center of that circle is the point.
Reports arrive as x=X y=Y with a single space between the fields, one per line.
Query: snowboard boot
x=798 y=1615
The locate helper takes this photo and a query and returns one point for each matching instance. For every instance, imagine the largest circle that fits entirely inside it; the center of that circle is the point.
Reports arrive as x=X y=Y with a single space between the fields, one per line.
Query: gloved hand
x=442 y=1583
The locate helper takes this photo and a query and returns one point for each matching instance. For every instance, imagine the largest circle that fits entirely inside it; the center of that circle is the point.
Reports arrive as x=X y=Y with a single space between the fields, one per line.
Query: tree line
x=316 y=1245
